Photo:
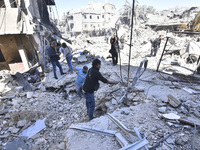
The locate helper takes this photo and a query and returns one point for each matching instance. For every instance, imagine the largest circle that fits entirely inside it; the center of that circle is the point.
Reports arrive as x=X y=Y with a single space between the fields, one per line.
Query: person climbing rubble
x=67 y=53
x=155 y=45
x=91 y=84
x=80 y=79
x=54 y=57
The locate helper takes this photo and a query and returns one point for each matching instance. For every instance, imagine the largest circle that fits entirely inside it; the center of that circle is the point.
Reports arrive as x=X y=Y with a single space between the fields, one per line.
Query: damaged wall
x=9 y=46
x=18 y=24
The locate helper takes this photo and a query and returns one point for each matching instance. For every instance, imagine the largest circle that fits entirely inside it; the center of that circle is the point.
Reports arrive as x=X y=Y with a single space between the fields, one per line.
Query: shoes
x=63 y=73
x=56 y=77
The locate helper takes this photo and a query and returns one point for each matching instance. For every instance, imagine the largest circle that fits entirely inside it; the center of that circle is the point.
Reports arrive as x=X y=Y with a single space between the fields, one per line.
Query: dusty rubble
x=157 y=105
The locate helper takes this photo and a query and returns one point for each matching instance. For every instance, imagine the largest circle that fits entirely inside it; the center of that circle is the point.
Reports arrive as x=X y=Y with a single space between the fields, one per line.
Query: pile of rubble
x=160 y=111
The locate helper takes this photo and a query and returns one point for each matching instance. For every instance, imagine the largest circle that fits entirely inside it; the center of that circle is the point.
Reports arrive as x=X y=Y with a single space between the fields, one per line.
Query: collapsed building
x=25 y=33
x=158 y=110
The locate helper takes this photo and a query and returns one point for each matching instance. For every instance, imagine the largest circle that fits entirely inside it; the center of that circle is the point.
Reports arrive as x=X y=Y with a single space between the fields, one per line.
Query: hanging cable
x=130 y=41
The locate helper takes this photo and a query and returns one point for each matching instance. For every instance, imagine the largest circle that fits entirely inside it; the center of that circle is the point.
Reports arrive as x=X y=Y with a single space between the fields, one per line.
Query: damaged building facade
x=94 y=16
x=25 y=31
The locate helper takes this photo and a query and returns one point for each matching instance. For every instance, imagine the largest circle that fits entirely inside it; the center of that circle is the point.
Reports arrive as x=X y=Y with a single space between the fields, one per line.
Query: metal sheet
x=34 y=129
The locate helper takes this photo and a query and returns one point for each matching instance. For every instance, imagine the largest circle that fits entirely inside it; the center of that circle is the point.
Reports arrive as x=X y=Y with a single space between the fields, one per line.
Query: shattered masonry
x=159 y=108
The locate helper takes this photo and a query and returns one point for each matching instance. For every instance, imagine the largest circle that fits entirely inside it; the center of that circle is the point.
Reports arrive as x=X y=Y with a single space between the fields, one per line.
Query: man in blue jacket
x=54 y=57
x=80 y=79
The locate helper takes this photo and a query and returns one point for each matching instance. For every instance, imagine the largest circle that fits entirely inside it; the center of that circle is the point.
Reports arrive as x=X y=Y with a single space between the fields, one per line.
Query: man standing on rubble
x=80 y=79
x=155 y=45
x=54 y=57
x=91 y=84
x=113 y=50
x=67 y=53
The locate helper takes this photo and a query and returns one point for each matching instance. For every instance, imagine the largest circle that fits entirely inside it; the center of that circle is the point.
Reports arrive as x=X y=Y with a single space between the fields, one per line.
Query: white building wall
x=94 y=16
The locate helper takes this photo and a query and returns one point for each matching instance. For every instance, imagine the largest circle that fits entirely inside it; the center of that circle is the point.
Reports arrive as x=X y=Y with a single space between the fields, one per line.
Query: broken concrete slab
x=29 y=95
x=18 y=143
x=82 y=58
x=23 y=82
x=174 y=102
x=171 y=116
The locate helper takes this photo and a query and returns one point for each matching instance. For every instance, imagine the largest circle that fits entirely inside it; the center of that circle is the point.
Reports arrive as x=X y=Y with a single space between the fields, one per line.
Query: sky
x=65 y=5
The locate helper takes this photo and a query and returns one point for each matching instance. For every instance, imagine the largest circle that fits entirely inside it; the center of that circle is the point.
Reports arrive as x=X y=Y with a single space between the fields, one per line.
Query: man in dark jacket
x=54 y=57
x=113 y=50
x=155 y=45
x=91 y=84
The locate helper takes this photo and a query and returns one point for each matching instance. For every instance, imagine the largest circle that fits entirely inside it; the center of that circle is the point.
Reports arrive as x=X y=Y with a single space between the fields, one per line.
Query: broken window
x=85 y=25
x=85 y=16
x=90 y=17
x=2 y=59
x=2 y=5
x=97 y=17
x=102 y=16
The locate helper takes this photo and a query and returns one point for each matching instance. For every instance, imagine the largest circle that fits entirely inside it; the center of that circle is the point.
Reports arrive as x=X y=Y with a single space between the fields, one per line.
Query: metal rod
x=130 y=41
x=162 y=54
x=120 y=63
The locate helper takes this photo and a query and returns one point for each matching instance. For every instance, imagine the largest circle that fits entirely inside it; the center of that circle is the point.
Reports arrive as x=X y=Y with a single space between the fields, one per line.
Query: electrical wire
x=163 y=139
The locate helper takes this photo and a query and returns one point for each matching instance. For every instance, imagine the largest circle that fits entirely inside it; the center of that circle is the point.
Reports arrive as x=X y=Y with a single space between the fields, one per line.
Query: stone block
x=173 y=101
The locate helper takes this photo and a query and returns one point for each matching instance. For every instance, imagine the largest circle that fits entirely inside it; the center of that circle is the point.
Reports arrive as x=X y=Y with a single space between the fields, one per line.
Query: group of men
x=87 y=81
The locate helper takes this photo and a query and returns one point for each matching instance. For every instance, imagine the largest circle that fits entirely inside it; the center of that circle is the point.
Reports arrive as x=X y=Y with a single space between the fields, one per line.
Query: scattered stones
x=196 y=113
x=162 y=109
x=114 y=102
x=170 y=140
x=21 y=123
x=29 y=95
x=14 y=130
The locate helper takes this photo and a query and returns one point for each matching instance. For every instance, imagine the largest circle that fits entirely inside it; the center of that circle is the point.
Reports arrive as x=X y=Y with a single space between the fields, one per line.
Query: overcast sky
x=65 y=5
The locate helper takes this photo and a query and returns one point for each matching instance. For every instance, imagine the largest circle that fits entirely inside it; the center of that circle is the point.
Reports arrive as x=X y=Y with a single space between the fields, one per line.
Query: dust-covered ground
x=144 y=106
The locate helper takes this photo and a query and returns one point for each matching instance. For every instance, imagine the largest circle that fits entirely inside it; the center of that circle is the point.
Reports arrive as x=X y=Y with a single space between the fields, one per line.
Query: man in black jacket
x=91 y=84
x=54 y=57
x=155 y=45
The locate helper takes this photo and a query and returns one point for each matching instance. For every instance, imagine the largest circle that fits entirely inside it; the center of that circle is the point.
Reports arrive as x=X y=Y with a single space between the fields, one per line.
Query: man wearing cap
x=80 y=79
x=91 y=84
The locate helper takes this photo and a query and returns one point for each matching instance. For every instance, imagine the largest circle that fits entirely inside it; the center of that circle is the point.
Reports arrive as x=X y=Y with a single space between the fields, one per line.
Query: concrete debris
x=173 y=101
x=171 y=116
x=82 y=58
x=156 y=103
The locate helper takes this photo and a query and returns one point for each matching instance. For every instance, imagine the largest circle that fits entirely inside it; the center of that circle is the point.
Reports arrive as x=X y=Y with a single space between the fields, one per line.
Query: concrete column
x=7 y=3
x=24 y=58
x=22 y=52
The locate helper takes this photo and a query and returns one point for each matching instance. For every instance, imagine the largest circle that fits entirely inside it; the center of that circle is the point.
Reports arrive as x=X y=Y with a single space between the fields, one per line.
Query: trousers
x=54 y=64
x=90 y=104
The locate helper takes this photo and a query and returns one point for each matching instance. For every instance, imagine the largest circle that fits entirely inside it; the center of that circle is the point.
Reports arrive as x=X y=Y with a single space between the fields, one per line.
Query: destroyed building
x=152 y=107
x=94 y=16
x=25 y=32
